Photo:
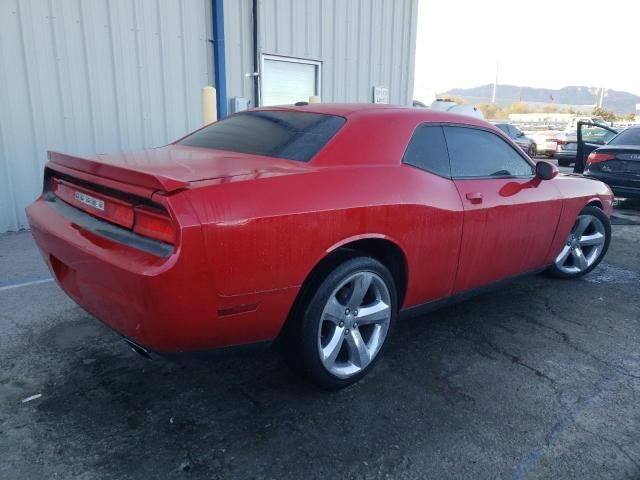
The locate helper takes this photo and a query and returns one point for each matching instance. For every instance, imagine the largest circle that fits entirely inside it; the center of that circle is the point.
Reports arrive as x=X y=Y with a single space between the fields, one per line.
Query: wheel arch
x=387 y=252
x=595 y=202
x=381 y=247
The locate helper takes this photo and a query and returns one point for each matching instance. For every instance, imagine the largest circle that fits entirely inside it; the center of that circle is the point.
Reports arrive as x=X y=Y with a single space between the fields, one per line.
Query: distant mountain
x=619 y=102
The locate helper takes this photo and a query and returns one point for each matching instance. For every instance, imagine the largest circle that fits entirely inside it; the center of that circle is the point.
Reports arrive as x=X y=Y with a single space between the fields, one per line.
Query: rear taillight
x=596 y=157
x=153 y=223
x=147 y=221
x=560 y=142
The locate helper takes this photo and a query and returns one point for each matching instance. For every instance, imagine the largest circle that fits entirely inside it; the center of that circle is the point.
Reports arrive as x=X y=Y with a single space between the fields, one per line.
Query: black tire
x=564 y=163
x=300 y=338
x=549 y=154
x=600 y=215
x=533 y=151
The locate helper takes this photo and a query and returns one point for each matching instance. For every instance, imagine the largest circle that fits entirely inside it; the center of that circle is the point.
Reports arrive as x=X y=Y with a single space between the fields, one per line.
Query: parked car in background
x=447 y=105
x=566 y=146
x=598 y=120
x=617 y=163
x=567 y=142
x=545 y=140
x=527 y=144
x=315 y=225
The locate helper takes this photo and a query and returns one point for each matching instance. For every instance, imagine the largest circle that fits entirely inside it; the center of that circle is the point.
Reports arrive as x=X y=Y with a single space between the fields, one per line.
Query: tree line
x=491 y=111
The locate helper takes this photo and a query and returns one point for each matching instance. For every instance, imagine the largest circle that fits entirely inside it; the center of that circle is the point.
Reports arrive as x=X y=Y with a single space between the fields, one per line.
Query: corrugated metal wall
x=93 y=76
x=86 y=76
x=361 y=43
x=238 y=49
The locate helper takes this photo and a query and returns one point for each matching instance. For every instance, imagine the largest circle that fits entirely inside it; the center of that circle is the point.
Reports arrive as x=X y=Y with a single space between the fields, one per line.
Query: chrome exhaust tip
x=139 y=350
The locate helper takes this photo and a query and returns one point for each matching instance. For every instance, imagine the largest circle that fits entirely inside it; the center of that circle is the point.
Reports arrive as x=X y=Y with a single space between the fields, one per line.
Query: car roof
x=395 y=124
x=342 y=109
x=361 y=110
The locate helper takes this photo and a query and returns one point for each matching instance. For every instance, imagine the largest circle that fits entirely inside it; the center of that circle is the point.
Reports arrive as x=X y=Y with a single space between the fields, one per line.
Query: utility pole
x=495 y=83
x=603 y=93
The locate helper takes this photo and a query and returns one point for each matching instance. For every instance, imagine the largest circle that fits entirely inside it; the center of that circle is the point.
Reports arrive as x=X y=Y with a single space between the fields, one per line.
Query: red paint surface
x=250 y=229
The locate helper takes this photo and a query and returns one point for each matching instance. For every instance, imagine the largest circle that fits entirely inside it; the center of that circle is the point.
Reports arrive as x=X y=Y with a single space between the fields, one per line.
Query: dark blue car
x=617 y=163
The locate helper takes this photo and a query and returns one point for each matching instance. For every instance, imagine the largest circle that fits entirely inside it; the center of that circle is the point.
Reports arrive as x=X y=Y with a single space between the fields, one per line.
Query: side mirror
x=520 y=134
x=546 y=170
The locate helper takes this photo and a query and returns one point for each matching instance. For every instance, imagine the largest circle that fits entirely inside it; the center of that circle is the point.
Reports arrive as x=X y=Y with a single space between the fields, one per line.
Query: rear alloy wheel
x=586 y=245
x=346 y=323
x=354 y=324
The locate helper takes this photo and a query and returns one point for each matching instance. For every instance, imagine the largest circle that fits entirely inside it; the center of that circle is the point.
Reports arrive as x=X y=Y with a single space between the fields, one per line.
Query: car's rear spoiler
x=138 y=178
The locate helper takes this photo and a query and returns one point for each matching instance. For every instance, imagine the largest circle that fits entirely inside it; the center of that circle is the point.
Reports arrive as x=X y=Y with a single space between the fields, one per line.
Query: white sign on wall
x=380 y=95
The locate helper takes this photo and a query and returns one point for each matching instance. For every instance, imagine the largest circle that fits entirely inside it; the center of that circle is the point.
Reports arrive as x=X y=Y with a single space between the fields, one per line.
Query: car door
x=510 y=216
x=590 y=136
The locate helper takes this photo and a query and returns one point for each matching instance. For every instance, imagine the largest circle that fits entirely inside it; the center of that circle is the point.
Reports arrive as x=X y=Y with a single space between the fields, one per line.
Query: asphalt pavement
x=540 y=379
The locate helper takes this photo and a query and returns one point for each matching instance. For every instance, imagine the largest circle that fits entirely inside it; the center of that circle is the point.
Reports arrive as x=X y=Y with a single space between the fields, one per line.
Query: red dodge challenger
x=316 y=225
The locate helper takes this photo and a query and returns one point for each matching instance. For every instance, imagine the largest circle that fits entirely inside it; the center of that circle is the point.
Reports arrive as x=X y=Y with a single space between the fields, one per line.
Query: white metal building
x=85 y=76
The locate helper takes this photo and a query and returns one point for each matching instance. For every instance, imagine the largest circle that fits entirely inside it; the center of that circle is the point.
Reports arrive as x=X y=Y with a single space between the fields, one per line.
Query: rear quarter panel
x=267 y=234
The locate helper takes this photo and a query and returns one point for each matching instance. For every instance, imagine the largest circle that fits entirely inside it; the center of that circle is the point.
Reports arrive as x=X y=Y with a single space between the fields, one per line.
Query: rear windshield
x=289 y=135
x=630 y=136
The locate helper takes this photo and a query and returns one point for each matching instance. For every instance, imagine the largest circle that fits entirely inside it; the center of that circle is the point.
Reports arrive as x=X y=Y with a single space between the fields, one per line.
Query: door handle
x=474 y=197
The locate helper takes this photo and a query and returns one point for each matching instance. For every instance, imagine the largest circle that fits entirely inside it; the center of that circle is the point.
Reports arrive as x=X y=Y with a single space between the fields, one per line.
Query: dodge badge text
x=88 y=200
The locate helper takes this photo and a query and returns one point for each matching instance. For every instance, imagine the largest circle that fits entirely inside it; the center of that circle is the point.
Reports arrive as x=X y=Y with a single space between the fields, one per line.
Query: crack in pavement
x=567 y=341
x=533 y=459
x=615 y=444
x=482 y=340
x=450 y=391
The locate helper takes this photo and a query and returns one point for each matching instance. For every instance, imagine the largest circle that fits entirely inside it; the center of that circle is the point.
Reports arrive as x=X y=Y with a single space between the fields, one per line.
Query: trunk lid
x=129 y=189
x=174 y=167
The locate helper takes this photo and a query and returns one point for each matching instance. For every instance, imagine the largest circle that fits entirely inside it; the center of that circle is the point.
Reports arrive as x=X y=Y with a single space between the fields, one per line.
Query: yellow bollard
x=209 y=110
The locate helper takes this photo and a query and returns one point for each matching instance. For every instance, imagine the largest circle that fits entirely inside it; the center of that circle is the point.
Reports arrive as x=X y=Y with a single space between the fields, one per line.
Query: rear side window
x=427 y=150
x=477 y=153
x=289 y=135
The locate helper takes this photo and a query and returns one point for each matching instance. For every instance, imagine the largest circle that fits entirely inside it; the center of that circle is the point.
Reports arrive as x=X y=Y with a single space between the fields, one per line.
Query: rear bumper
x=565 y=155
x=546 y=147
x=164 y=303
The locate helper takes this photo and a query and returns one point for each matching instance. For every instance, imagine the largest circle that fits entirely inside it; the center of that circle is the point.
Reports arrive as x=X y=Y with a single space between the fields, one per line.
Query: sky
x=538 y=43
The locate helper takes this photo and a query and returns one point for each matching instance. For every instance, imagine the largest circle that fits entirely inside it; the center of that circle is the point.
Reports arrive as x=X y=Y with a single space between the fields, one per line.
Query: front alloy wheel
x=586 y=245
